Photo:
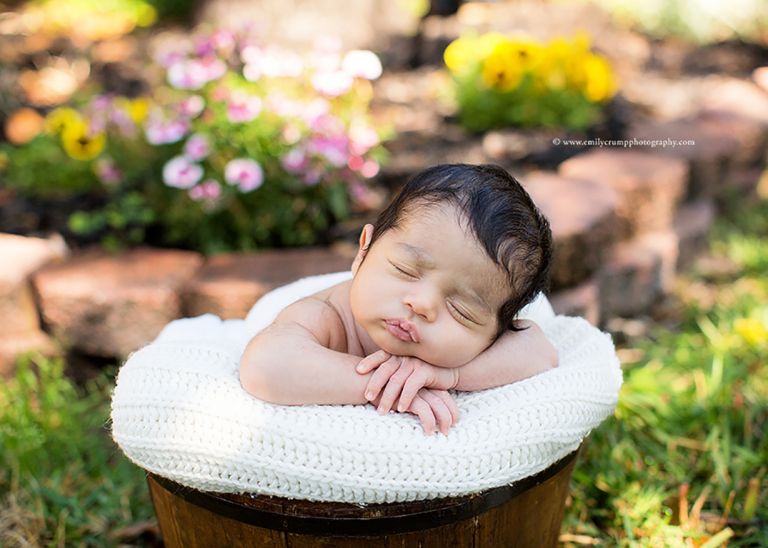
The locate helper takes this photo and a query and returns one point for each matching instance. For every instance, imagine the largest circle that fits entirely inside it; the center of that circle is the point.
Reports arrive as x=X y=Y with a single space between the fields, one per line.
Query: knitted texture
x=178 y=410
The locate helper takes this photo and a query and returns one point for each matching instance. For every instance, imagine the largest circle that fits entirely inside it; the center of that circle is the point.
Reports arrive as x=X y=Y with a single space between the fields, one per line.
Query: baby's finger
x=393 y=388
x=450 y=402
x=411 y=387
x=372 y=361
x=379 y=379
x=422 y=410
x=440 y=410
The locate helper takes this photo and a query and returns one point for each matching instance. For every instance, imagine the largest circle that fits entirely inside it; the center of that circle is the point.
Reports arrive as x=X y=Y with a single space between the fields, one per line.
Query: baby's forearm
x=281 y=368
x=514 y=356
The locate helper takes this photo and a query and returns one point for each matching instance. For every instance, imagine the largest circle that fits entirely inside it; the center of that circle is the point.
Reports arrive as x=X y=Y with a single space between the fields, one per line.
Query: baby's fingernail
x=369 y=396
x=360 y=368
x=400 y=408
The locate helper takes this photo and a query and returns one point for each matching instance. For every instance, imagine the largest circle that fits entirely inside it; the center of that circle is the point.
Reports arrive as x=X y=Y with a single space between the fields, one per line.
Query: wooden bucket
x=528 y=513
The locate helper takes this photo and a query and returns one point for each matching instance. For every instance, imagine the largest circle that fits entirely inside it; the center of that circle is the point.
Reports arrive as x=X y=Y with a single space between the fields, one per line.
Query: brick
x=649 y=186
x=751 y=136
x=110 y=305
x=708 y=160
x=582 y=300
x=692 y=225
x=582 y=215
x=742 y=185
x=630 y=281
x=228 y=284
x=20 y=257
x=738 y=97
x=664 y=244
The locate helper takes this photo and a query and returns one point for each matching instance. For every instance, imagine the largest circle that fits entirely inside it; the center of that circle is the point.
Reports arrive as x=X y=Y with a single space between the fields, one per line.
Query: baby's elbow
x=256 y=378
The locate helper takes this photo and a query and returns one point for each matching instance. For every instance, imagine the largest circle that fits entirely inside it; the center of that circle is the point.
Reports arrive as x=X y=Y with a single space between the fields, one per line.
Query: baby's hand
x=435 y=409
x=403 y=376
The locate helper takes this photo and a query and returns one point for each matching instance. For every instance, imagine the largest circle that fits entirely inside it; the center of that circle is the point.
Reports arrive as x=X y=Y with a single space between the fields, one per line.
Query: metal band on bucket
x=348 y=524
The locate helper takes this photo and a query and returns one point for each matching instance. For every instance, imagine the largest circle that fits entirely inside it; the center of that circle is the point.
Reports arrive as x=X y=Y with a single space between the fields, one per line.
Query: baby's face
x=428 y=289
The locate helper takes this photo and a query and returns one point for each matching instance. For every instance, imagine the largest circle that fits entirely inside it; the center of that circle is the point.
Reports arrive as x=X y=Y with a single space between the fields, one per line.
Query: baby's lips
x=411 y=329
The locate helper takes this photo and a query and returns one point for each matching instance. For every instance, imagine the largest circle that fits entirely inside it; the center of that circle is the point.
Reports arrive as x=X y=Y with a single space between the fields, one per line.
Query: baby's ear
x=365 y=241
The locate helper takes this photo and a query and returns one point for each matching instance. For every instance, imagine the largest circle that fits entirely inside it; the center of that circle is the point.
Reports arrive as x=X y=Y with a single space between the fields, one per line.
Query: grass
x=62 y=480
x=683 y=463
x=684 y=460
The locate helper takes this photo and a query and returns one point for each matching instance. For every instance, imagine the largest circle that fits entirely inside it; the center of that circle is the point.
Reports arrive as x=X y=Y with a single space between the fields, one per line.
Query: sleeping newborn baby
x=437 y=284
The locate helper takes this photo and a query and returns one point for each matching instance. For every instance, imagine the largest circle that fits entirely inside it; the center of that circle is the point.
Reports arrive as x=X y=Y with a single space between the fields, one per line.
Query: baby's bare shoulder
x=320 y=318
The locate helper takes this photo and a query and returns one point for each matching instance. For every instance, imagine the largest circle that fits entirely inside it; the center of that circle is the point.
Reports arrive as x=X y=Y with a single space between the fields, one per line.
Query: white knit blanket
x=178 y=410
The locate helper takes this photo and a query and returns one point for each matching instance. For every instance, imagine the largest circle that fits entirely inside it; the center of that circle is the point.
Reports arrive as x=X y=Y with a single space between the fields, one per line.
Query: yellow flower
x=600 y=84
x=459 y=54
x=508 y=62
x=467 y=50
x=551 y=73
x=137 y=108
x=57 y=120
x=79 y=144
x=753 y=331
x=146 y=15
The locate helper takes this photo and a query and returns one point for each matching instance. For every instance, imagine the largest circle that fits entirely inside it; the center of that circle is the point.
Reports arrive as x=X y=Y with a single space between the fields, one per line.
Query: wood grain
x=527 y=517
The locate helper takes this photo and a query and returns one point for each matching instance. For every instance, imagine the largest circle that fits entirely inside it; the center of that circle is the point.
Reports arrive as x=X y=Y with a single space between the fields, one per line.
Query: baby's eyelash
x=461 y=313
x=402 y=271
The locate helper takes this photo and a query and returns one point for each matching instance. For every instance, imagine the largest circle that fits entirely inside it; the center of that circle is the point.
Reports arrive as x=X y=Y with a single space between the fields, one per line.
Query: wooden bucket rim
x=339 y=519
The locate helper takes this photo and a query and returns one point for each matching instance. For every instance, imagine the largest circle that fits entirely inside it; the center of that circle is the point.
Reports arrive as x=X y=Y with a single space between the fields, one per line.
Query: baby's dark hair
x=503 y=218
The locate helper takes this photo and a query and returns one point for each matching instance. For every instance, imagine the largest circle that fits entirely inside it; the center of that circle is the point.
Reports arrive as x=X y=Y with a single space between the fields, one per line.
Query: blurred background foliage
x=699 y=21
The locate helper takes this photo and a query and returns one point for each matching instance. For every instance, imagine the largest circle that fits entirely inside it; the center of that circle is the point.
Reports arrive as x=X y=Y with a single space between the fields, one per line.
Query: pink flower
x=222 y=41
x=160 y=131
x=107 y=171
x=186 y=74
x=326 y=56
x=192 y=106
x=332 y=83
x=370 y=169
x=208 y=190
x=197 y=147
x=245 y=173
x=282 y=105
x=362 y=64
x=220 y=93
x=195 y=73
x=180 y=172
x=291 y=133
x=243 y=108
x=362 y=138
x=250 y=54
x=252 y=72
x=333 y=149
x=169 y=58
x=315 y=109
x=355 y=163
x=123 y=121
x=295 y=161
x=279 y=63
x=327 y=124
x=271 y=62
x=213 y=68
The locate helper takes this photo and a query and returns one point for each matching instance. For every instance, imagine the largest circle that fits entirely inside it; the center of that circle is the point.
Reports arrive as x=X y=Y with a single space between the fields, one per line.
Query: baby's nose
x=423 y=304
